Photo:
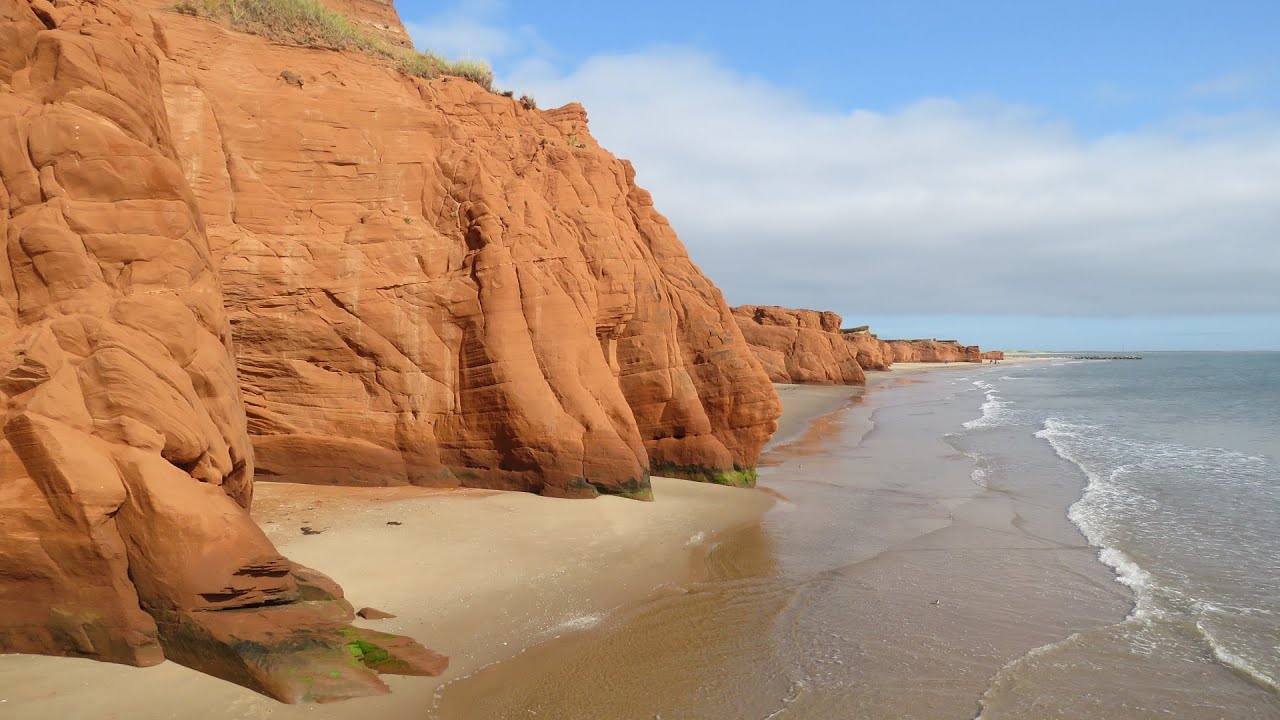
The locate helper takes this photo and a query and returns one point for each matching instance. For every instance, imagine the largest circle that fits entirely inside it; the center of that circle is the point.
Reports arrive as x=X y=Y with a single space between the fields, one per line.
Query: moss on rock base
x=737 y=477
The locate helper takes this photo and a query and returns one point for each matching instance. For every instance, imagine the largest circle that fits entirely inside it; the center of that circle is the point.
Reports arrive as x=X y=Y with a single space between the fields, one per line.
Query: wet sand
x=889 y=582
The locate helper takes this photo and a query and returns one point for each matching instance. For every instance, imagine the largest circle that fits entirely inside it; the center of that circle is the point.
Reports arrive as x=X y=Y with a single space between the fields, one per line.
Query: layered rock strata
x=799 y=346
x=125 y=465
x=432 y=284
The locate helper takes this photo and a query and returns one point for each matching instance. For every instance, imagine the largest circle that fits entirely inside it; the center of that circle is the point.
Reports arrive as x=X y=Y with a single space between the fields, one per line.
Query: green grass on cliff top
x=310 y=24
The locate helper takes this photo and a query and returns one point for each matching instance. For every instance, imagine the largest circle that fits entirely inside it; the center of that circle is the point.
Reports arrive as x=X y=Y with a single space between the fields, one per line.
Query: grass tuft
x=302 y=22
x=428 y=65
x=309 y=23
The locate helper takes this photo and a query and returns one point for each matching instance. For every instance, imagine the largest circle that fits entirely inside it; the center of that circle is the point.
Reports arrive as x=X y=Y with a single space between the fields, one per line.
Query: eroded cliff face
x=931 y=351
x=800 y=346
x=872 y=352
x=125 y=466
x=431 y=284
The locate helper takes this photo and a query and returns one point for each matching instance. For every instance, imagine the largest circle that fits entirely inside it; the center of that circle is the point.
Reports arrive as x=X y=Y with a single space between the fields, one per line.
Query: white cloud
x=949 y=205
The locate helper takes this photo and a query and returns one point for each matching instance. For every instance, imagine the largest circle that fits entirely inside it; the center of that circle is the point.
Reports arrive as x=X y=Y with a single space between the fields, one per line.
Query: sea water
x=1180 y=453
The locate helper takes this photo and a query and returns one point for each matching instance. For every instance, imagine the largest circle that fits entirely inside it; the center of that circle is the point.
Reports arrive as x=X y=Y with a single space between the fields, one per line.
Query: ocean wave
x=1116 y=509
x=995 y=410
x=1091 y=512
x=1135 y=577
x=1240 y=665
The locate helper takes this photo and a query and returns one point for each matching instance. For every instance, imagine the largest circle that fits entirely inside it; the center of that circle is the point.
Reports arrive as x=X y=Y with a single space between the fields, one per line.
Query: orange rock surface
x=429 y=283
x=799 y=346
x=934 y=351
x=809 y=346
x=125 y=466
x=872 y=352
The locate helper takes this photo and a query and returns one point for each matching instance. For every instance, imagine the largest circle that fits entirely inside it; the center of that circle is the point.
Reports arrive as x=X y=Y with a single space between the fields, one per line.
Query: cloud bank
x=943 y=206
x=961 y=206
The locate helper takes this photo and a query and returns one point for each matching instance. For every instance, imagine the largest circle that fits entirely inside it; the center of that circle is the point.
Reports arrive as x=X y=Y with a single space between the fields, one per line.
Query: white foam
x=697 y=538
x=994 y=411
x=1237 y=663
x=577 y=624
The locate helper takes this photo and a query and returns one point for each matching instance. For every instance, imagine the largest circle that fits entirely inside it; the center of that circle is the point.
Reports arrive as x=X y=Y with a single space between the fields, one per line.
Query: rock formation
x=809 y=346
x=872 y=352
x=993 y=355
x=800 y=346
x=929 y=351
x=125 y=466
x=429 y=283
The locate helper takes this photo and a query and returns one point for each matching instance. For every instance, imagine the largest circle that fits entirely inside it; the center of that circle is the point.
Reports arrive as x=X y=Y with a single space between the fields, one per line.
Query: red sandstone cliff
x=125 y=466
x=872 y=352
x=809 y=346
x=424 y=283
x=429 y=283
x=799 y=346
x=929 y=351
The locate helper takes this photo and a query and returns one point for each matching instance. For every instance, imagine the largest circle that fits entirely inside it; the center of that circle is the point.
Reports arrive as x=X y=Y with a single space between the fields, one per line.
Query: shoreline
x=491 y=574
x=884 y=564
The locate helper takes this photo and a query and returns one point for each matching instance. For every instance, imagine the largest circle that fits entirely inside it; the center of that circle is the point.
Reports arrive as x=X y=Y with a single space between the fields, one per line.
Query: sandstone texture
x=800 y=346
x=125 y=465
x=928 y=351
x=872 y=352
x=431 y=284
x=993 y=355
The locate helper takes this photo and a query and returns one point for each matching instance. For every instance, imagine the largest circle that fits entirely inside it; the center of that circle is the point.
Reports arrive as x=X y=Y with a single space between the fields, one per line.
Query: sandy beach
x=477 y=575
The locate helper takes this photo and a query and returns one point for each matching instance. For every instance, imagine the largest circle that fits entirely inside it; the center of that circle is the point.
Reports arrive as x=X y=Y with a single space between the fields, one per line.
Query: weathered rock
x=872 y=352
x=928 y=351
x=799 y=346
x=993 y=355
x=431 y=284
x=369 y=613
x=125 y=465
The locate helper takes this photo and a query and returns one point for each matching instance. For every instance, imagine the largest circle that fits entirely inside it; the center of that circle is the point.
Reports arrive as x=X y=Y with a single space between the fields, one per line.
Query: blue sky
x=1098 y=170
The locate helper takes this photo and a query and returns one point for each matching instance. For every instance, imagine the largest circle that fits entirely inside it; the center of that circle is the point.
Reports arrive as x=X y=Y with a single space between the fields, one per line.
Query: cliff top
x=372 y=27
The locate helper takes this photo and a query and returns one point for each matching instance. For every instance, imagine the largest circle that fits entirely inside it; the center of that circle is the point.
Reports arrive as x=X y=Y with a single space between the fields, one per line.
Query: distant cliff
x=930 y=351
x=873 y=353
x=810 y=347
x=799 y=346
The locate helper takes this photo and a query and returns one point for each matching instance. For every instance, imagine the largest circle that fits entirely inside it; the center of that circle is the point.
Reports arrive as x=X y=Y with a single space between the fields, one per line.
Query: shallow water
x=925 y=564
